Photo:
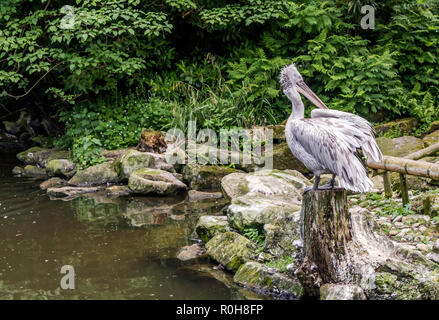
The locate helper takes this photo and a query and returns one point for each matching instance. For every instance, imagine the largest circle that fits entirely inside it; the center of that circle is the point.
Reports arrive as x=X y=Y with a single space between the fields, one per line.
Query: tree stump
x=325 y=231
x=340 y=246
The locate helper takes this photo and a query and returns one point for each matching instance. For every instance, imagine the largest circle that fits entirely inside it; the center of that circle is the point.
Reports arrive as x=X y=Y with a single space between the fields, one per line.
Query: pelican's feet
x=324 y=187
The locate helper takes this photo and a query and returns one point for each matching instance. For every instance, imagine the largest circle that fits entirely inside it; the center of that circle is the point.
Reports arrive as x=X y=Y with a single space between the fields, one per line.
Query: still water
x=119 y=248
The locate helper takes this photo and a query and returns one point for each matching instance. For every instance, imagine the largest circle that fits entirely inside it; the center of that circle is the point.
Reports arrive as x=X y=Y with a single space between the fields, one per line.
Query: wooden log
x=404 y=189
x=387 y=178
x=407 y=166
x=325 y=231
x=424 y=152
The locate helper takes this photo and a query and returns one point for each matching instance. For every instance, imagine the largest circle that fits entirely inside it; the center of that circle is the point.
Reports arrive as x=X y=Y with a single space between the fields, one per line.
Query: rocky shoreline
x=256 y=235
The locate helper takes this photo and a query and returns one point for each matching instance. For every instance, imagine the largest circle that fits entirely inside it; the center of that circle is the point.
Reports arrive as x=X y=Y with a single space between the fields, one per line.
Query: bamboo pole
x=404 y=189
x=424 y=152
x=407 y=166
x=387 y=184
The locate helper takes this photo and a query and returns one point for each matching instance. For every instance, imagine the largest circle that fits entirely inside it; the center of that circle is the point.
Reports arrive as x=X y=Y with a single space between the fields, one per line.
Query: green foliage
x=281 y=263
x=388 y=207
x=215 y=62
x=255 y=235
x=93 y=127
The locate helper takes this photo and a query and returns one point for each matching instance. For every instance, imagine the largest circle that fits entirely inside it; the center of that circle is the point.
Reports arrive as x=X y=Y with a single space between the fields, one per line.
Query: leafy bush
x=216 y=62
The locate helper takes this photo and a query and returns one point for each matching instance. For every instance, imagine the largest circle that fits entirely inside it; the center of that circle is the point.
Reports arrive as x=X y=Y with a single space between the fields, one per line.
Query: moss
x=259 y=277
x=230 y=249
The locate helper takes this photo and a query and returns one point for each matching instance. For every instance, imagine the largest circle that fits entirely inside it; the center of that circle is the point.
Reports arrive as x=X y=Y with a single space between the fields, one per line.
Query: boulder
x=68 y=193
x=34 y=156
x=262 y=197
x=11 y=127
x=18 y=171
x=230 y=249
x=283 y=159
x=61 y=167
x=431 y=138
x=191 y=252
x=263 y=279
x=209 y=226
x=283 y=237
x=194 y=195
x=155 y=181
x=118 y=191
x=333 y=291
x=203 y=177
x=54 y=182
x=397 y=128
x=130 y=161
x=43 y=141
x=34 y=171
x=99 y=174
x=399 y=147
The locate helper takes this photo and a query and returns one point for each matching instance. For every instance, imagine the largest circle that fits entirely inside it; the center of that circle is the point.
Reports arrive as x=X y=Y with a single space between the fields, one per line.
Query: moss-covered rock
x=155 y=181
x=118 y=191
x=34 y=171
x=283 y=237
x=130 y=161
x=230 y=249
x=399 y=147
x=99 y=174
x=283 y=159
x=433 y=126
x=402 y=127
x=431 y=138
x=18 y=171
x=34 y=155
x=334 y=291
x=42 y=141
x=203 y=177
x=259 y=277
x=209 y=226
x=61 y=167
x=262 y=197
x=54 y=182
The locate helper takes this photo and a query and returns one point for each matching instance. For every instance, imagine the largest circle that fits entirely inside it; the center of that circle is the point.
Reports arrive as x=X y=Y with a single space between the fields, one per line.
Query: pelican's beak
x=310 y=95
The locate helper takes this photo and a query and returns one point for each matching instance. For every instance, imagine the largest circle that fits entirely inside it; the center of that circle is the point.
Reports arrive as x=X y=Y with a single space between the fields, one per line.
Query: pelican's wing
x=334 y=143
x=368 y=143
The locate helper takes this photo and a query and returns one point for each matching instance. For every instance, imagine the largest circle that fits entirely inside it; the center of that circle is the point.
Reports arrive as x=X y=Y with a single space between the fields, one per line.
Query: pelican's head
x=292 y=83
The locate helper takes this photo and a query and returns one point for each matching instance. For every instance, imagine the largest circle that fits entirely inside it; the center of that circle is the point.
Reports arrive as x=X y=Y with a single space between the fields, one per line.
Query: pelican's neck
x=298 y=109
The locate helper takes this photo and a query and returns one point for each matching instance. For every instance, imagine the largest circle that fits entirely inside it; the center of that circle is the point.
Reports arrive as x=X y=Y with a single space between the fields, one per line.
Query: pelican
x=330 y=141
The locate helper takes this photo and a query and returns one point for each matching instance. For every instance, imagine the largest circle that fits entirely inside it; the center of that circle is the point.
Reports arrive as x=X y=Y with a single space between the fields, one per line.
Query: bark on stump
x=340 y=246
x=325 y=231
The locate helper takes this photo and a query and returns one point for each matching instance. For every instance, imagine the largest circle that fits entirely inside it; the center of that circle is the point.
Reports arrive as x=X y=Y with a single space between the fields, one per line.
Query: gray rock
x=34 y=171
x=231 y=250
x=61 y=167
x=118 y=191
x=54 y=182
x=262 y=197
x=68 y=192
x=399 y=147
x=191 y=252
x=194 y=195
x=263 y=279
x=99 y=174
x=155 y=181
x=131 y=160
x=204 y=177
x=209 y=226
x=331 y=291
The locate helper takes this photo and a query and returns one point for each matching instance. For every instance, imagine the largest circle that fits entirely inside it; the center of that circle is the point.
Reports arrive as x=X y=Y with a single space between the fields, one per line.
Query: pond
x=122 y=248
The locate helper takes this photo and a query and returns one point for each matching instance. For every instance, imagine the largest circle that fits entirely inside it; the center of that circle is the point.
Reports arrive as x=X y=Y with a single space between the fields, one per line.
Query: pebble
x=415 y=225
x=422 y=229
x=397 y=219
x=393 y=232
x=399 y=225
x=422 y=247
x=436 y=246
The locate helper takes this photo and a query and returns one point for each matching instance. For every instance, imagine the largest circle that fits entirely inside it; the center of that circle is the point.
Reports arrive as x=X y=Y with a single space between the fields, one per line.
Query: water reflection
x=122 y=248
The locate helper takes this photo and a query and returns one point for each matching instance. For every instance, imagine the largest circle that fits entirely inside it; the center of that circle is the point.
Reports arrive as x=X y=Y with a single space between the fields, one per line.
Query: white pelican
x=330 y=141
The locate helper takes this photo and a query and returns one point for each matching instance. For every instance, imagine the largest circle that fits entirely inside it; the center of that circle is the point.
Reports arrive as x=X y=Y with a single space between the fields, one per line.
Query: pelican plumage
x=330 y=141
